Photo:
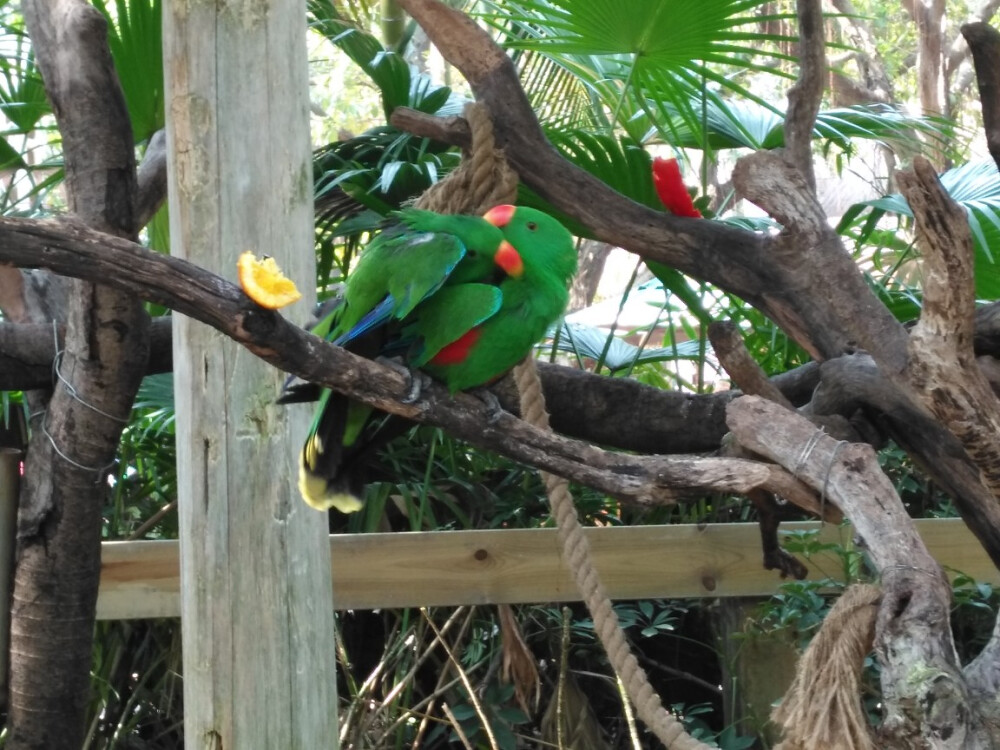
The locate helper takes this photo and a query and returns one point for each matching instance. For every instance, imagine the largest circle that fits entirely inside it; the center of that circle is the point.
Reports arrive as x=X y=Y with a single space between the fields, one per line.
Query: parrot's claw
x=417 y=381
x=493 y=408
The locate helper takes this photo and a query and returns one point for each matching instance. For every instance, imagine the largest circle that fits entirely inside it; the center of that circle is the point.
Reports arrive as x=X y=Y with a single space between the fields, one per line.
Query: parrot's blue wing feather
x=372 y=319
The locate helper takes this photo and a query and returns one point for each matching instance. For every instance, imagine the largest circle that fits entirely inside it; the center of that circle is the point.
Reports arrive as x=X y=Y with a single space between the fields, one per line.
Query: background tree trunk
x=74 y=441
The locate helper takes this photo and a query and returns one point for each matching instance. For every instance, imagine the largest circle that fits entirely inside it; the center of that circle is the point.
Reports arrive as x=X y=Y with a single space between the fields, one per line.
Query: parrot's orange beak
x=509 y=259
x=500 y=216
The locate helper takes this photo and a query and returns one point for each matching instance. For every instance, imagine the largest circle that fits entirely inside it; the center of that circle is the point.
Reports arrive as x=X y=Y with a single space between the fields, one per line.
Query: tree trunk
x=74 y=441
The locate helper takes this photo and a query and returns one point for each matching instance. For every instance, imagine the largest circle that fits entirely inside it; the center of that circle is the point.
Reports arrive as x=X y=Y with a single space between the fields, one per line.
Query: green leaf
x=654 y=57
x=974 y=186
x=136 y=41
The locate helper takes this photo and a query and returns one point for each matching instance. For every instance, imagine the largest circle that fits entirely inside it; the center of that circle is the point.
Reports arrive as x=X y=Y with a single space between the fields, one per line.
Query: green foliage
x=658 y=58
x=137 y=700
x=359 y=180
x=974 y=186
x=136 y=41
x=799 y=607
x=398 y=84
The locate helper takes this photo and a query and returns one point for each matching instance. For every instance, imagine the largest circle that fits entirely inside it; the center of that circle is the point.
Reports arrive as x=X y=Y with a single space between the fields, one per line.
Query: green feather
x=530 y=304
x=411 y=261
x=436 y=275
x=449 y=315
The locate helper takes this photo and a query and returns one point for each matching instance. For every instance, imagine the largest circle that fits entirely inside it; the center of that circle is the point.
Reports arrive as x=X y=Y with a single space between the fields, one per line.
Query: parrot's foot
x=417 y=381
x=493 y=408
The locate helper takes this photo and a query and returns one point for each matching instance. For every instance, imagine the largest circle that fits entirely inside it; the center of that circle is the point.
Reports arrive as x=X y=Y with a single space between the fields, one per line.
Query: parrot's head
x=542 y=243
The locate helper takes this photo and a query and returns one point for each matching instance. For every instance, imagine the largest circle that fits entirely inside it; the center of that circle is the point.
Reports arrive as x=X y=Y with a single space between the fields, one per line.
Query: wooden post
x=256 y=593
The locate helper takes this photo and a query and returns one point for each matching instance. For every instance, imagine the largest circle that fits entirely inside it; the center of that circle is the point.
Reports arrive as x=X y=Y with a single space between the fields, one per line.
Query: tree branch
x=73 y=249
x=151 y=187
x=617 y=412
x=912 y=625
x=943 y=370
x=805 y=95
x=59 y=517
x=984 y=41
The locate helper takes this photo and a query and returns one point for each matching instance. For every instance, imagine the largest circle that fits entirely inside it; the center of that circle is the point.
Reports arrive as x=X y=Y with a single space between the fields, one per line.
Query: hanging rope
x=822 y=708
x=576 y=553
x=483 y=180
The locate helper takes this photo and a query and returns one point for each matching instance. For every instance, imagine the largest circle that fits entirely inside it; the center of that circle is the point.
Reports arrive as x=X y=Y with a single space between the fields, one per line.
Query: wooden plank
x=256 y=594
x=372 y=571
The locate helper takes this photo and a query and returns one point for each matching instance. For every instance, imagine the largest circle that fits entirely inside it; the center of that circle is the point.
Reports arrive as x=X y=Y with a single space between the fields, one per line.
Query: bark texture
x=74 y=441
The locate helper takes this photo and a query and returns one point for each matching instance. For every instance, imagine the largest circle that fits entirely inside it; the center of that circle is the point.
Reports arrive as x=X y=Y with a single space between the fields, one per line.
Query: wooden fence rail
x=372 y=571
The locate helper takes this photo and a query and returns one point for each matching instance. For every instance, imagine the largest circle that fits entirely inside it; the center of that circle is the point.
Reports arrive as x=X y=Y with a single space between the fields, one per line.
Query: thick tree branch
x=75 y=439
x=151 y=187
x=808 y=244
x=912 y=626
x=854 y=382
x=943 y=370
x=820 y=272
x=617 y=412
x=73 y=249
x=743 y=370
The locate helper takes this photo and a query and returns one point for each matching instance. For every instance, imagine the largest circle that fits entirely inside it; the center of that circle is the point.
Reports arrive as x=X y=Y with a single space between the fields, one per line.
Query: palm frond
x=660 y=53
x=974 y=186
x=136 y=41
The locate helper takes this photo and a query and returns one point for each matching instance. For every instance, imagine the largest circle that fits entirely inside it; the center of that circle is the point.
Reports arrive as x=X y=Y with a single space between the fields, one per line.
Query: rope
x=822 y=708
x=483 y=180
x=577 y=555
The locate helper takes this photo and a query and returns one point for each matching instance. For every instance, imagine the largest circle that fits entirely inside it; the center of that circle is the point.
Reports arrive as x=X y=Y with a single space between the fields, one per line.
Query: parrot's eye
x=532 y=226
x=472 y=253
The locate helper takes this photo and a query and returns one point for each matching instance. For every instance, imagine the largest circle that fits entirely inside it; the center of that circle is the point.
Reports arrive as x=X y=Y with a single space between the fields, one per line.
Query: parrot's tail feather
x=323 y=493
x=324 y=481
x=296 y=391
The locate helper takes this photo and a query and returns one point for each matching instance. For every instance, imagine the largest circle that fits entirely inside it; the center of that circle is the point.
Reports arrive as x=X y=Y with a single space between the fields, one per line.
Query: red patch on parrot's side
x=457 y=351
x=671 y=189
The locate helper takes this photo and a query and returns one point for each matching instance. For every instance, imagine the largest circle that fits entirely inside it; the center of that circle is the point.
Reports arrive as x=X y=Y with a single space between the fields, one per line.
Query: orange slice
x=264 y=282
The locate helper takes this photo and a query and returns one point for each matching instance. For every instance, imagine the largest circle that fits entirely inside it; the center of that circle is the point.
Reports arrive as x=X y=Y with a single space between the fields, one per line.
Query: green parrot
x=462 y=298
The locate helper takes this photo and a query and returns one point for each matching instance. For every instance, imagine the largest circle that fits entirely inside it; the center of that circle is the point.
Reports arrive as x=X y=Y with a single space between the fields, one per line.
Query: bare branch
x=453 y=130
x=943 y=372
x=804 y=97
x=912 y=626
x=743 y=370
x=984 y=41
x=72 y=249
x=813 y=258
x=151 y=188
x=618 y=412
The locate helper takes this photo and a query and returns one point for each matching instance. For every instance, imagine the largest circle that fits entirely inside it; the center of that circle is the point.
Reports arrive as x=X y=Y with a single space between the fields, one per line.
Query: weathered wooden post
x=256 y=603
